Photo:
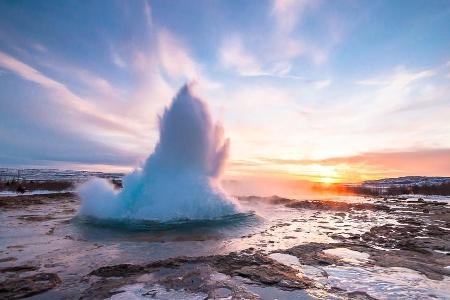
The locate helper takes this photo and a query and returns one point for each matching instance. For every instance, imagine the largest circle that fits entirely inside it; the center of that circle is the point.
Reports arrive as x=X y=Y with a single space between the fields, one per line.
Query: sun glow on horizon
x=327 y=180
x=321 y=172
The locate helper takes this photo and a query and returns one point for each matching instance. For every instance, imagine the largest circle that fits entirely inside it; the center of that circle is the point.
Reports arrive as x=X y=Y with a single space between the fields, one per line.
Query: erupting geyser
x=179 y=181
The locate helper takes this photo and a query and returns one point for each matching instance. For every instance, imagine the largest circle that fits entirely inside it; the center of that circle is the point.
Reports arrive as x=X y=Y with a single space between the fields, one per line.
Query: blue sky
x=82 y=82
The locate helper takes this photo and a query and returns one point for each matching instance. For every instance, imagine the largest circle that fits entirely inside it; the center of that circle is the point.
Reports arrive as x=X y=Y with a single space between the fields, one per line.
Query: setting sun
x=327 y=180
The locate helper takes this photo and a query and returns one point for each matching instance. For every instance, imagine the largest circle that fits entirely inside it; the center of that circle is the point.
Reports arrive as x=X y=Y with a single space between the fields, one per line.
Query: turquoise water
x=230 y=226
x=235 y=220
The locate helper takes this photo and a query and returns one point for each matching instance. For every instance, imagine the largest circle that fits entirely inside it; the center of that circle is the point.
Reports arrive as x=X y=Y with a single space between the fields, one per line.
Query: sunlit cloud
x=27 y=72
x=305 y=85
x=117 y=59
x=321 y=84
x=289 y=12
x=365 y=120
x=283 y=44
x=174 y=57
x=288 y=16
x=39 y=47
x=233 y=55
x=63 y=94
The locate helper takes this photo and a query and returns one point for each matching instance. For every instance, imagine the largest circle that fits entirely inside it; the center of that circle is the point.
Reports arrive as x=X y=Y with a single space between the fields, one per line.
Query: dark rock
x=118 y=270
x=336 y=205
x=23 y=201
x=411 y=221
x=28 y=286
x=360 y=296
x=261 y=269
x=36 y=218
x=311 y=253
x=15 y=269
x=6 y=259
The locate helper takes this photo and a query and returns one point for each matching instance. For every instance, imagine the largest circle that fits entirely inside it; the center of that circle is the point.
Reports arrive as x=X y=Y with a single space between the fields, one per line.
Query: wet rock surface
x=335 y=205
x=319 y=204
x=408 y=234
x=28 y=286
x=193 y=273
x=259 y=268
x=17 y=202
x=312 y=253
x=420 y=240
x=17 y=269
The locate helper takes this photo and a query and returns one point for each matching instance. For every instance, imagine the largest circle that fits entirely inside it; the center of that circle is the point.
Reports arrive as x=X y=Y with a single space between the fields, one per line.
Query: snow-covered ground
x=414 y=197
x=36 y=192
x=53 y=174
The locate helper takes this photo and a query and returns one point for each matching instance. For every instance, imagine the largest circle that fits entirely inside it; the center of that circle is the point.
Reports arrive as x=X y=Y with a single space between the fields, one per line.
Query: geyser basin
x=179 y=180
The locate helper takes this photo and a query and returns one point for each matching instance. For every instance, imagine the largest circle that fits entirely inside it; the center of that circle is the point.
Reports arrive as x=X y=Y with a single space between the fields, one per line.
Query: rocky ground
x=375 y=248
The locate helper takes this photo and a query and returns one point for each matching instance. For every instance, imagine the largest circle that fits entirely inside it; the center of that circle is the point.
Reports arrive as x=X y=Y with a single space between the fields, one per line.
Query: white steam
x=179 y=180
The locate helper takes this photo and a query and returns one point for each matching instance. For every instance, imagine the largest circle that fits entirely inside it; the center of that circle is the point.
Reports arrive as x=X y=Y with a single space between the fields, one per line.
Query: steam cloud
x=179 y=180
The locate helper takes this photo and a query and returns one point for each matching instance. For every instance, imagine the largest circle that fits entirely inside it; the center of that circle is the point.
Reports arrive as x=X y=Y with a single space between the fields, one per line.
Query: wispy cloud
x=289 y=12
x=148 y=14
x=233 y=55
x=367 y=118
x=27 y=72
x=117 y=59
x=400 y=88
x=63 y=94
x=288 y=16
x=39 y=47
x=174 y=57
x=399 y=79
x=283 y=45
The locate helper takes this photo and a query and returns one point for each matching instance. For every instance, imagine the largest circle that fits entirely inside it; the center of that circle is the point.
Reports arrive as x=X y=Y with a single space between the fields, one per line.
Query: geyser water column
x=179 y=180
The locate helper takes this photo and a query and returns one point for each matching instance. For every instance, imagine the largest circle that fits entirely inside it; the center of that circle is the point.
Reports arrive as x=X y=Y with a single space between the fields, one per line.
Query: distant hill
x=406 y=181
x=8 y=174
x=404 y=185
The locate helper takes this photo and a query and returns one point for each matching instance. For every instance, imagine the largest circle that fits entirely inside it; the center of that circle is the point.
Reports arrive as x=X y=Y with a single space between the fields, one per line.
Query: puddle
x=398 y=283
x=140 y=291
x=271 y=293
x=286 y=259
x=348 y=255
x=312 y=272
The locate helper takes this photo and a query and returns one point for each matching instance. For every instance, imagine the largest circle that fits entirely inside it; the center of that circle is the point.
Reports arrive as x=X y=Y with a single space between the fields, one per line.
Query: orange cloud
x=364 y=166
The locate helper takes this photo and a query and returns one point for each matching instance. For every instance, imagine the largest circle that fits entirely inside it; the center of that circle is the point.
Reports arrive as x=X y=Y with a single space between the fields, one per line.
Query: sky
x=325 y=91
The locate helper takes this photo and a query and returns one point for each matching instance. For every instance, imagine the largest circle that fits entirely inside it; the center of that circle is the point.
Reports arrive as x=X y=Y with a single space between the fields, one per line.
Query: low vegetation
x=30 y=185
x=21 y=186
